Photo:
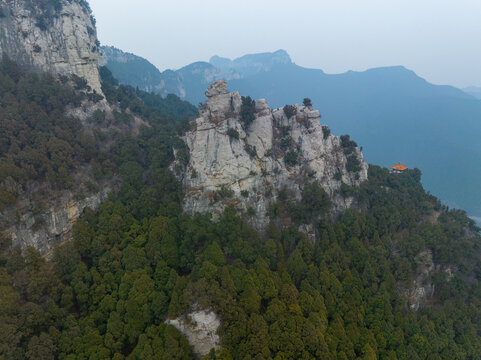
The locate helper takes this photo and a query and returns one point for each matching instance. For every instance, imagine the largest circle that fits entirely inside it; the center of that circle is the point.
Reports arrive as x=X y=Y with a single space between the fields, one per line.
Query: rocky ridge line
x=245 y=166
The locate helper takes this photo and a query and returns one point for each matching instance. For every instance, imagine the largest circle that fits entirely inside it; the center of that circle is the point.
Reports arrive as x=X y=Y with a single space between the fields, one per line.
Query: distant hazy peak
x=111 y=53
x=473 y=91
x=252 y=63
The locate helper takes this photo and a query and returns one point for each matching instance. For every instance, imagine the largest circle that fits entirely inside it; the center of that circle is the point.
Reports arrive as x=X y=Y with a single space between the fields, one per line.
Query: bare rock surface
x=45 y=38
x=245 y=166
x=200 y=329
x=54 y=224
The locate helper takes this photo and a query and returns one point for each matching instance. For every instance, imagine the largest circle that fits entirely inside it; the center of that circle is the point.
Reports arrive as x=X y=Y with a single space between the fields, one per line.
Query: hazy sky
x=438 y=39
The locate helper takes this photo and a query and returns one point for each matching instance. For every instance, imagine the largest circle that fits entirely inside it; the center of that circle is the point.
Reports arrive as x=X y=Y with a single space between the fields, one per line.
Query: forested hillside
x=139 y=260
x=56 y=143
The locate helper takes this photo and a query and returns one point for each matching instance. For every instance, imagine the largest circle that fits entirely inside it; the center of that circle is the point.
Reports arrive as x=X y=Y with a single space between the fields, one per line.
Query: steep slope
x=249 y=161
x=132 y=70
x=51 y=36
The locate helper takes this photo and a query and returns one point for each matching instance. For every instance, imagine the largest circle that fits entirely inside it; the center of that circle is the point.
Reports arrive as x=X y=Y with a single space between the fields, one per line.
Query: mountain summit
x=244 y=153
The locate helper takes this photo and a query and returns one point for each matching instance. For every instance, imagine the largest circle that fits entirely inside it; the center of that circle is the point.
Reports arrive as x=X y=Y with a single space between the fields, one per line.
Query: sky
x=439 y=39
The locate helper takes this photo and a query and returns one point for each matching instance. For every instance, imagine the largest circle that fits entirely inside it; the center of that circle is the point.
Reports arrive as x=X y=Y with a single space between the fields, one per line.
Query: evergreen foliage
x=290 y=111
x=38 y=142
x=248 y=111
x=139 y=259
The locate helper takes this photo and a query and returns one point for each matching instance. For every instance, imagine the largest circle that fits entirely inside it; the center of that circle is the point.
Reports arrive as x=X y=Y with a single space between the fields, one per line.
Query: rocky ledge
x=246 y=160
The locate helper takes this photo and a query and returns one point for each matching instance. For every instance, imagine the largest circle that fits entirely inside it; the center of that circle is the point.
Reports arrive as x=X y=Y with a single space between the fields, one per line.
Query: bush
x=353 y=164
x=248 y=111
x=291 y=158
x=251 y=150
x=245 y=193
x=326 y=132
x=307 y=102
x=290 y=111
x=286 y=143
x=347 y=191
x=79 y=82
x=233 y=133
x=346 y=142
x=225 y=192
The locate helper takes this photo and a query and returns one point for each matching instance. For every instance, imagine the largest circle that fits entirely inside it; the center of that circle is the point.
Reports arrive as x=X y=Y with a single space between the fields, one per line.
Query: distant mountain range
x=474 y=91
x=393 y=113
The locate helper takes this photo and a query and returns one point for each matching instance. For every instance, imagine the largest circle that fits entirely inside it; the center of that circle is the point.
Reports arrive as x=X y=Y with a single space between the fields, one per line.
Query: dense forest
x=139 y=260
x=40 y=143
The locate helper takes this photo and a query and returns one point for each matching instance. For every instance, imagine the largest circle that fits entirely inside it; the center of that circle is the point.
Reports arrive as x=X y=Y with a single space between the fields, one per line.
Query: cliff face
x=56 y=36
x=54 y=224
x=247 y=166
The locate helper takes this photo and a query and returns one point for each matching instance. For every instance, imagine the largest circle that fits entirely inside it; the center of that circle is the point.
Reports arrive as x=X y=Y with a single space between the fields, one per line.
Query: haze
x=438 y=39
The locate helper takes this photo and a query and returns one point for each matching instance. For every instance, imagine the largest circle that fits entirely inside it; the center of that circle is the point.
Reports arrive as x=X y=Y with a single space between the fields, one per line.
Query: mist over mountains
x=393 y=113
x=474 y=91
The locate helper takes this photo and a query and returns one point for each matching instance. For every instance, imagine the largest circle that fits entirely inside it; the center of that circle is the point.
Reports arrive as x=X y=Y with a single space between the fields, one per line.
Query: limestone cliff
x=55 y=36
x=53 y=224
x=247 y=165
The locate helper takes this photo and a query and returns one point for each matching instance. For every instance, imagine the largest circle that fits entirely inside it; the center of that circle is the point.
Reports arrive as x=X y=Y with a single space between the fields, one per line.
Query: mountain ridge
x=395 y=114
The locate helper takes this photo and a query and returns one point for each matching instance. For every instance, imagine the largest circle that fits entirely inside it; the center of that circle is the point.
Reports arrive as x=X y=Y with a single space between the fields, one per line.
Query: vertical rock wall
x=60 y=39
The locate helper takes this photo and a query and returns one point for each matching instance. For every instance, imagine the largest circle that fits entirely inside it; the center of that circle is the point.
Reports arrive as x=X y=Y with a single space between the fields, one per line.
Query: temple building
x=398 y=168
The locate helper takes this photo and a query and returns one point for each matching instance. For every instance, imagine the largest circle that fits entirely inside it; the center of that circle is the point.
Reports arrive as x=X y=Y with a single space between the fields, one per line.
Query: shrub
x=338 y=176
x=326 y=132
x=98 y=117
x=286 y=143
x=315 y=200
x=245 y=193
x=290 y=111
x=251 y=150
x=248 y=111
x=233 y=133
x=353 y=164
x=347 y=191
x=79 y=82
x=92 y=187
x=307 y=102
x=291 y=158
x=225 y=192
x=347 y=143
x=285 y=130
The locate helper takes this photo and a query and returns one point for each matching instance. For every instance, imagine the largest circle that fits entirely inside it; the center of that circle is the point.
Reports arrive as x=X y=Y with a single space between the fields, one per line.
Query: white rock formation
x=252 y=165
x=41 y=38
x=200 y=329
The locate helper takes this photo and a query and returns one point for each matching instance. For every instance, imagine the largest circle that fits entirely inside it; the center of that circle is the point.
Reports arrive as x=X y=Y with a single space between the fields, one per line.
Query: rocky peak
x=247 y=164
x=57 y=37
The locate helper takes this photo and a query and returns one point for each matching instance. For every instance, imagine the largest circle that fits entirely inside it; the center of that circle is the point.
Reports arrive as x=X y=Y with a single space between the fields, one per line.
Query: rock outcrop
x=247 y=165
x=54 y=224
x=200 y=329
x=422 y=289
x=57 y=37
